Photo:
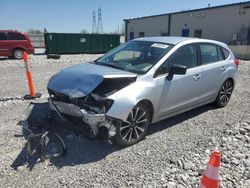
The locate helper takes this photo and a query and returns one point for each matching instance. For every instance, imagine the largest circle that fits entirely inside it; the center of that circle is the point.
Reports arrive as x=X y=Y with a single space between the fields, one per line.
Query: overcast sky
x=75 y=15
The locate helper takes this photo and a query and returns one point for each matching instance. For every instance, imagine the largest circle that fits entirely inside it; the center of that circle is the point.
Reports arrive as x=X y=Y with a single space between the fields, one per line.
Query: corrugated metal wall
x=152 y=26
x=218 y=24
x=37 y=40
x=221 y=23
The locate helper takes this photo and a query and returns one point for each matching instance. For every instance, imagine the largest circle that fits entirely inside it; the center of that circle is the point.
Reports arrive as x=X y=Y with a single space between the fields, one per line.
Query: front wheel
x=135 y=128
x=224 y=94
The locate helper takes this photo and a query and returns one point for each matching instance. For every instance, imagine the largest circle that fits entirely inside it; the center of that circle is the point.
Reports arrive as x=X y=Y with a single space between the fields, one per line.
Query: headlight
x=95 y=104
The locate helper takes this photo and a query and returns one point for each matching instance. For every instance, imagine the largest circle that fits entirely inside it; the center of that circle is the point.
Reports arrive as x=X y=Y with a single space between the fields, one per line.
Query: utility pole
x=94 y=23
x=99 y=27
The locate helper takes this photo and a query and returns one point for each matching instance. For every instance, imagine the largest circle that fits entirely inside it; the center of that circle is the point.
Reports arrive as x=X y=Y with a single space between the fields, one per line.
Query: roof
x=207 y=8
x=9 y=31
x=168 y=40
x=176 y=40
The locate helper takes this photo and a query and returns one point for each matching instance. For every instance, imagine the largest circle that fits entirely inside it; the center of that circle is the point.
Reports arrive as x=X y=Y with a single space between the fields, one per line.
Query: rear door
x=213 y=63
x=17 y=40
x=4 y=45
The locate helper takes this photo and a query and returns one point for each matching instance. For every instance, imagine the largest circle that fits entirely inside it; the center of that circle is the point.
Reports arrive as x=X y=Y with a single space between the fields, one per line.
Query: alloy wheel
x=226 y=92
x=18 y=54
x=135 y=126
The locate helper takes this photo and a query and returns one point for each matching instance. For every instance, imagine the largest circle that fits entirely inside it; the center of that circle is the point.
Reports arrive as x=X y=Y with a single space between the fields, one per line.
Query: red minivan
x=14 y=43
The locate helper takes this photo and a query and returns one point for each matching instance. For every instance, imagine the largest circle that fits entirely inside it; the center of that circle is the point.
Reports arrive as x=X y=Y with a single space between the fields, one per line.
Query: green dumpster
x=76 y=43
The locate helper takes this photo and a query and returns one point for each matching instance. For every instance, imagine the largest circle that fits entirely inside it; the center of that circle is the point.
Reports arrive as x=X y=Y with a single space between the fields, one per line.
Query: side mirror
x=176 y=69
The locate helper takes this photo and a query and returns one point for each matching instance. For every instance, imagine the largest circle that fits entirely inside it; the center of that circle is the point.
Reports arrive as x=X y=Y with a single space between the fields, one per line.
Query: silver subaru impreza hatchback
x=144 y=81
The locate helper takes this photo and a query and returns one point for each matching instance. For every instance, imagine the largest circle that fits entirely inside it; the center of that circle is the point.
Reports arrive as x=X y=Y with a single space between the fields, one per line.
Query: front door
x=183 y=91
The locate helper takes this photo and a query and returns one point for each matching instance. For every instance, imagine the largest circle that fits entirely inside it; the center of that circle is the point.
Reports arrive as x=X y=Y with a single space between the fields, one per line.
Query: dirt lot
x=173 y=154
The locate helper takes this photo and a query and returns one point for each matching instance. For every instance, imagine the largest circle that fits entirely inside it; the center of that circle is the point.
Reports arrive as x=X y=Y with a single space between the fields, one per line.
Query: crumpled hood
x=80 y=80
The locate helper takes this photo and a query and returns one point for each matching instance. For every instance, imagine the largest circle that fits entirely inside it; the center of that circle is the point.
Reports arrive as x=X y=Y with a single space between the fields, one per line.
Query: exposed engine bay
x=97 y=101
x=91 y=107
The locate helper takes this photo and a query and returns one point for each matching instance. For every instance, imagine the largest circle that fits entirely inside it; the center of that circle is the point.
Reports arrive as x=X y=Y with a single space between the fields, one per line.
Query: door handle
x=197 y=77
x=223 y=68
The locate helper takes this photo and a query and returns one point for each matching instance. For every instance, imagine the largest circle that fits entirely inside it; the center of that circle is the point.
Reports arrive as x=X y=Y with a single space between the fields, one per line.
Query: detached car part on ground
x=144 y=81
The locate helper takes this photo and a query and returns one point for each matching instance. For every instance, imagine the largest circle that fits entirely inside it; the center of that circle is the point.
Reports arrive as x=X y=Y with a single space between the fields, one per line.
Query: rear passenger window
x=3 y=36
x=208 y=53
x=16 y=36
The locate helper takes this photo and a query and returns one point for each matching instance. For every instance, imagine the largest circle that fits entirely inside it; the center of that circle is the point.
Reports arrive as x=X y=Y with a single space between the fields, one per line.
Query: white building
x=227 y=23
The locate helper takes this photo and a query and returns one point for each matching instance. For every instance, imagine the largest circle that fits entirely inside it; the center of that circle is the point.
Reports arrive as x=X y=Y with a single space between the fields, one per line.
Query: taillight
x=236 y=61
x=30 y=43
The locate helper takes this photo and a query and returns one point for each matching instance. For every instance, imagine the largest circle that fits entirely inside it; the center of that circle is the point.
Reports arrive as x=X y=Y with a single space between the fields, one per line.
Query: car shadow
x=82 y=151
x=4 y=58
x=169 y=122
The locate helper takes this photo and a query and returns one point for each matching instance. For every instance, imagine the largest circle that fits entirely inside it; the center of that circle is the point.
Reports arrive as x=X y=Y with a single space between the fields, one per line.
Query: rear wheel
x=135 y=128
x=18 y=53
x=224 y=94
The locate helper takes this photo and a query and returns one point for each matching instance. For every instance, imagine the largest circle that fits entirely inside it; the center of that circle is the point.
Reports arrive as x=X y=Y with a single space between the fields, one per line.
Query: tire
x=53 y=56
x=52 y=146
x=18 y=53
x=135 y=129
x=224 y=94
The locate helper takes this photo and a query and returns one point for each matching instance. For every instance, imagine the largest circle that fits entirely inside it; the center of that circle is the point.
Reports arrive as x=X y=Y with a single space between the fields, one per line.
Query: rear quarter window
x=16 y=36
x=226 y=53
x=220 y=54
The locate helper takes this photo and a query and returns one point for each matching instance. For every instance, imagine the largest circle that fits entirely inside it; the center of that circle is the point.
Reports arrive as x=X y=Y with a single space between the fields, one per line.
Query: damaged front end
x=89 y=110
x=86 y=97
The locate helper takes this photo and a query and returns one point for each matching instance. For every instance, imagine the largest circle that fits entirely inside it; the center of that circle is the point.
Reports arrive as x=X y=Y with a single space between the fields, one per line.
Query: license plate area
x=65 y=108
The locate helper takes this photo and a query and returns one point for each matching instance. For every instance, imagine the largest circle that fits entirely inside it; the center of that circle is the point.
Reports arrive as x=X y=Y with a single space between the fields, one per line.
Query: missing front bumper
x=93 y=120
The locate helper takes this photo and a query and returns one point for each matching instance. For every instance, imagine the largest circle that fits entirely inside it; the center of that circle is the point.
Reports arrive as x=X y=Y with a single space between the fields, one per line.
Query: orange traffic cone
x=210 y=177
x=32 y=94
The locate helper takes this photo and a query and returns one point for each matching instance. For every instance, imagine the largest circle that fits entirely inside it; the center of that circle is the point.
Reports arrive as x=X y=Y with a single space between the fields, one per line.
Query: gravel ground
x=174 y=153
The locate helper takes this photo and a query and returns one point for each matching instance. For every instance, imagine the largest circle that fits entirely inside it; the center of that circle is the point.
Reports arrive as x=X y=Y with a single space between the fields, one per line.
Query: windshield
x=135 y=56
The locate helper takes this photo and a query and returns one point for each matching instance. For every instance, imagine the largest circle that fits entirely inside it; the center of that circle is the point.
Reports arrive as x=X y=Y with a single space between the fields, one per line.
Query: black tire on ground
x=53 y=56
x=135 y=129
x=18 y=53
x=52 y=146
x=224 y=94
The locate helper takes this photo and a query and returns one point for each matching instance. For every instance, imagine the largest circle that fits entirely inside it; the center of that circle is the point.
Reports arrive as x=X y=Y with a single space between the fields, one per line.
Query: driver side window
x=185 y=55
